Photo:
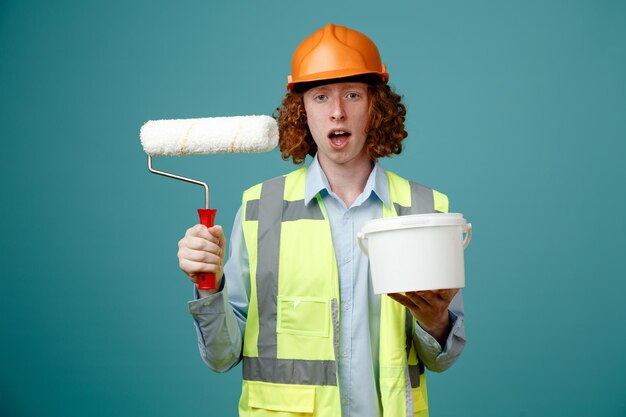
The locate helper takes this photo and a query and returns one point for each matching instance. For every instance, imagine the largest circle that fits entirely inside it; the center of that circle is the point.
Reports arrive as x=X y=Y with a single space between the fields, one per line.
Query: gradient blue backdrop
x=516 y=109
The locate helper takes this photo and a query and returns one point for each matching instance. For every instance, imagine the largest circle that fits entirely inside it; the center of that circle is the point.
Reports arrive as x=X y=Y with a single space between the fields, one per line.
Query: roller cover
x=236 y=134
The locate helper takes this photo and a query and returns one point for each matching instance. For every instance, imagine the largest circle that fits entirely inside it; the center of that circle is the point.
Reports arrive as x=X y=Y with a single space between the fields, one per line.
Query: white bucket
x=417 y=252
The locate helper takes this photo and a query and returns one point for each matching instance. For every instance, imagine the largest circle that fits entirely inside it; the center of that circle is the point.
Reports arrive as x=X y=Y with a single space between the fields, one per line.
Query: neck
x=348 y=181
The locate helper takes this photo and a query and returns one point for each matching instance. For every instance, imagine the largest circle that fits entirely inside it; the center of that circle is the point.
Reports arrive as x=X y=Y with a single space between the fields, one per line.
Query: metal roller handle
x=178 y=177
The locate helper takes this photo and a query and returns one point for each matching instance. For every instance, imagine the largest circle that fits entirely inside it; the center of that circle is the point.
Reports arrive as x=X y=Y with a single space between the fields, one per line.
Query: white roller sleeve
x=237 y=134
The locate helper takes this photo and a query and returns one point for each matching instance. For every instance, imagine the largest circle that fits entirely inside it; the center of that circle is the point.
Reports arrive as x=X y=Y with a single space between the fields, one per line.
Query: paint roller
x=209 y=135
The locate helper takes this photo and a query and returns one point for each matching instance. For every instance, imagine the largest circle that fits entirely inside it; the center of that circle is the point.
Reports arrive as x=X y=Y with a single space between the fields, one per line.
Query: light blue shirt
x=220 y=318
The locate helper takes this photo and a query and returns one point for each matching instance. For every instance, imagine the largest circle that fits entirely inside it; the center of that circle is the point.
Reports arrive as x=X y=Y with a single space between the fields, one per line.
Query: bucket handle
x=361 y=238
x=468 y=235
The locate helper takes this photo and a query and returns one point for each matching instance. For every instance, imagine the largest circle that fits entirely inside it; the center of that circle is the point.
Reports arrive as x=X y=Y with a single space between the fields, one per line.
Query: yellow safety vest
x=291 y=341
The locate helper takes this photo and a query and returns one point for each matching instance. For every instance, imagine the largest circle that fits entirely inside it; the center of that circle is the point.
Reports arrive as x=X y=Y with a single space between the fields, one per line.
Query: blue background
x=516 y=110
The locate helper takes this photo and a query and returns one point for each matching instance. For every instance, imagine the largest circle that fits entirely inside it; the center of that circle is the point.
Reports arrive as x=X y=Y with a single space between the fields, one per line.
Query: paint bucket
x=416 y=252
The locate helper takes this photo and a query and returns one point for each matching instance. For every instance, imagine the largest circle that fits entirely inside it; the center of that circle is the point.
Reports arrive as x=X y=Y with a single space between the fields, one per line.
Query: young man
x=294 y=299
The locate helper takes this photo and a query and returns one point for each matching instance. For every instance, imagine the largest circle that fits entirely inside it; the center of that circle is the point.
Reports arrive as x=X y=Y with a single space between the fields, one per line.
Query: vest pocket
x=305 y=316
x=281 y=397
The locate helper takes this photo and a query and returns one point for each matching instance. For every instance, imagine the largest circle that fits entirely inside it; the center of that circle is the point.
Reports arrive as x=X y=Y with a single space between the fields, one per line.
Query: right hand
x=202 y=250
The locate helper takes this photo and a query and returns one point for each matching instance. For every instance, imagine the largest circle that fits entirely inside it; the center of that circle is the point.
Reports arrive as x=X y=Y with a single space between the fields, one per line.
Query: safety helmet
x=335 y=52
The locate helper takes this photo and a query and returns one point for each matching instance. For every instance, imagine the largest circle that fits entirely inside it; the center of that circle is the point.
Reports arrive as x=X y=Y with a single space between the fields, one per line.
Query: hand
x=430 y=309
x=202 y=250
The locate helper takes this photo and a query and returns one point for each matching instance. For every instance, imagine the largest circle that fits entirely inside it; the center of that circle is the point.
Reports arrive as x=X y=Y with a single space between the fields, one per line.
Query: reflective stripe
x=292 y=210
x=422 y=201
x=290 y=371
x=270 y=211
x=334 y=309
x=297 y=210
x=410 y=377
x=408 y=393
x=414 y=375
x=252 y=210
x=414 y=370
x=402 y=210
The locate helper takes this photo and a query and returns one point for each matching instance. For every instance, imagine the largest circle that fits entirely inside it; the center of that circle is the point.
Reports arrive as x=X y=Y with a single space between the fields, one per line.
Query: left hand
x=430 y=309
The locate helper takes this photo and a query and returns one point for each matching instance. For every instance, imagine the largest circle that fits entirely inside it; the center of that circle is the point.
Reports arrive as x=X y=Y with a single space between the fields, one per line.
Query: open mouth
x=339 y=138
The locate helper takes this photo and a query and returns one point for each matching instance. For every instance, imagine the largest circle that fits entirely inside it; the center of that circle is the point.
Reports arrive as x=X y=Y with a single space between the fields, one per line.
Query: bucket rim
x=412 y=221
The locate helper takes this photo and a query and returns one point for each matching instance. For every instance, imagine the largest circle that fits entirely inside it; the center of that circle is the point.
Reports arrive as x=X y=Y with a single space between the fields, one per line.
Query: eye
x=352 y=96
x=319 y=97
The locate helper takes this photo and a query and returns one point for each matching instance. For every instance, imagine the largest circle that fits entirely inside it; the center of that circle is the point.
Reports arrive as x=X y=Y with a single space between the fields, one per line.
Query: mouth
x=339 y=138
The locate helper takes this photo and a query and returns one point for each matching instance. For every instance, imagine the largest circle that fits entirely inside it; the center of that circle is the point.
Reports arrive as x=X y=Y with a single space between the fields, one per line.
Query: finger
x=402 y=299
x=199 y=256
x=447 y=294
x=197 y=230
x=218 y=233
x=421 y=298
x=201 y=231
x=198 y=243
x=195 y=268
x=399 y=297
x=429 y=295
x=434 y=297
x=453 y=292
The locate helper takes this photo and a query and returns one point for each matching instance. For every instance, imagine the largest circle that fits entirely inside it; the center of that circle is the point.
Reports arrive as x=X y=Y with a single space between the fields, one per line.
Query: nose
x=337 y=112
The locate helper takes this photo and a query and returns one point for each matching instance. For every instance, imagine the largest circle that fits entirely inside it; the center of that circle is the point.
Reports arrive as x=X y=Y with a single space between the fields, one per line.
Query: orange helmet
x=335 y=52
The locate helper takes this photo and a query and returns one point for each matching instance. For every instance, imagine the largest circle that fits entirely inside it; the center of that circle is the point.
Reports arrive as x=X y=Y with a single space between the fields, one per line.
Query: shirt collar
x=317 y=182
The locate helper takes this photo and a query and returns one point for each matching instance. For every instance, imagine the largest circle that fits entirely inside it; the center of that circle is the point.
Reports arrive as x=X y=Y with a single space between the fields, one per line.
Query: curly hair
x=385 y=126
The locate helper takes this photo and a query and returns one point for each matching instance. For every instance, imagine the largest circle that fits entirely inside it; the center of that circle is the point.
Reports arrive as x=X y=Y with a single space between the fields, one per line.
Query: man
x=294 y=299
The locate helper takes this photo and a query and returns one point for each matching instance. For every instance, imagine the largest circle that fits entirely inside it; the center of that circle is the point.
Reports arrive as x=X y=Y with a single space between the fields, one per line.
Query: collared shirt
x=220 y=318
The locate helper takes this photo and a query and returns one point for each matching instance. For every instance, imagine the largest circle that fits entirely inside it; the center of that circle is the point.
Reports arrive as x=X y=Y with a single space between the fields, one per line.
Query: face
x=337 y=115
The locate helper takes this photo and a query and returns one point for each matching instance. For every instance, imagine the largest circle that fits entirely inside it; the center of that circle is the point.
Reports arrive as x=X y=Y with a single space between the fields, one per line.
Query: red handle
x=206 y=280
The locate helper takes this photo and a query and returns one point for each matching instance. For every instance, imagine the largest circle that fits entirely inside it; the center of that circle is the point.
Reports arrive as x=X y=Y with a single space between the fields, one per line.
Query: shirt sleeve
x=220 y=318
x=434 y=357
